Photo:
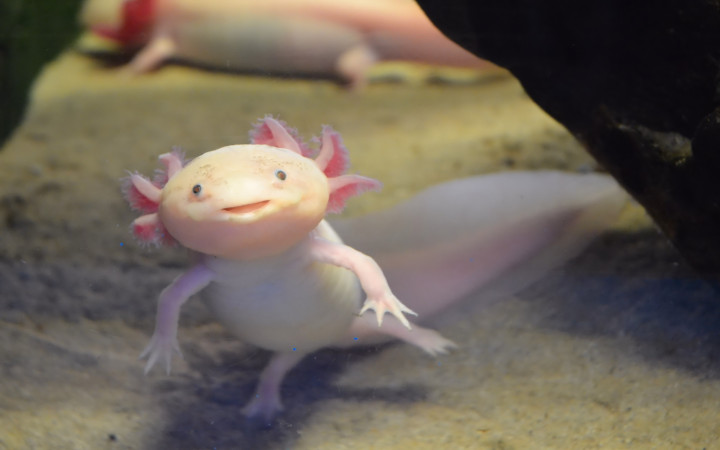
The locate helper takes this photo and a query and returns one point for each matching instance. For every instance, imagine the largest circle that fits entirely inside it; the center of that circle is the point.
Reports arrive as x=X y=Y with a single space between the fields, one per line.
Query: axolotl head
x=245 y=201
x=128 y=22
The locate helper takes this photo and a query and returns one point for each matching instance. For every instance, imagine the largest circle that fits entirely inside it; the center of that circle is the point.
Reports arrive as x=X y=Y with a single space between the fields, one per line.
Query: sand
x=617 y=350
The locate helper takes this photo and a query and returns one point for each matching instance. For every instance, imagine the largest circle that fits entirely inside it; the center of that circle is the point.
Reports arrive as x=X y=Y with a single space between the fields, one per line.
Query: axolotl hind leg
x=365 y=331
x=265 y=402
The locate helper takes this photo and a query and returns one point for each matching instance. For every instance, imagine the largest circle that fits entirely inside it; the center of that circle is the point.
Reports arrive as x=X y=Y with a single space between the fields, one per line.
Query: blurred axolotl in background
x=311 y=37
x=282 y=279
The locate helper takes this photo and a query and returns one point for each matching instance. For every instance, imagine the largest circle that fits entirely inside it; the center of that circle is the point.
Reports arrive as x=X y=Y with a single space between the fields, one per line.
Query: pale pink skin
x=316 y=37
x=282 y=279
x=278 y=272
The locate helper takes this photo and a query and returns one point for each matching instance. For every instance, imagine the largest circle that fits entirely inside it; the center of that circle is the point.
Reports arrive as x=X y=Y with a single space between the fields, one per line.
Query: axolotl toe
x=280 y=277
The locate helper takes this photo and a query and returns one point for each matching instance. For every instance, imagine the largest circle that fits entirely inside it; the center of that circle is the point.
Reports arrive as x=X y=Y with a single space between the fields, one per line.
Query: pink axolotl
x=280 y=276
x=283 y=280
x=313 y=37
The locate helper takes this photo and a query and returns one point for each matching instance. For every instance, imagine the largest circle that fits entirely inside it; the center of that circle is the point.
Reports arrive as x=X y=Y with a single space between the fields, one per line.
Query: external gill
x=333 y=159
x=145 y=196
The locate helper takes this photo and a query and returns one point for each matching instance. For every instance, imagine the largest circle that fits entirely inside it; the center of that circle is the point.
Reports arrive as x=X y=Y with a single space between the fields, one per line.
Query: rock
x=635 y=82
x=31 y=34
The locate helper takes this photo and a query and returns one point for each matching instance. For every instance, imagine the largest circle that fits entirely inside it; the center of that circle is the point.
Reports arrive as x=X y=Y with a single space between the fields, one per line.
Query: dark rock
x=31 y=34
x=636 y=82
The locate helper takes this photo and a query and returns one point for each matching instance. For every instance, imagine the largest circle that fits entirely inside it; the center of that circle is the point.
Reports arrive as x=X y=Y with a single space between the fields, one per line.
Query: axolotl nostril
x=281 y=278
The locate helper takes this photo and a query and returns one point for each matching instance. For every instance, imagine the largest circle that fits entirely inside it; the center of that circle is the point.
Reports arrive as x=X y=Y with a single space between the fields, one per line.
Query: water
x=617 y=350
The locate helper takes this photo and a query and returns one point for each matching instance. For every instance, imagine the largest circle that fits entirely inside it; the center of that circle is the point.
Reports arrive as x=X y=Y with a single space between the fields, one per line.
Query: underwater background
x=618 y=349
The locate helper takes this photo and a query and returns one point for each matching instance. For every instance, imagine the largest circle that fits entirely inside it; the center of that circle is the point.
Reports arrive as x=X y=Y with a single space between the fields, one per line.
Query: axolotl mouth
x=250 y=207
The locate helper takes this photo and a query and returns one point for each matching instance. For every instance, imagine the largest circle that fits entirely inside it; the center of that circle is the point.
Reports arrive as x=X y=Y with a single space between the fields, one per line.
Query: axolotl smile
x=248 y=208
x=246 y=213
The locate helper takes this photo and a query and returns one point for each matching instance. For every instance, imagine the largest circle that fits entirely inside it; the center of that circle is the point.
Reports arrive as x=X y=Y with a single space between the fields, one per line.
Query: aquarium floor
x=618 y=350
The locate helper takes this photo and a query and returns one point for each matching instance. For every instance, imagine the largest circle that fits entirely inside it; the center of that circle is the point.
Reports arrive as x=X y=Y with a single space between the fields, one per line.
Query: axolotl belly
x=280 y=277
x=288 y=302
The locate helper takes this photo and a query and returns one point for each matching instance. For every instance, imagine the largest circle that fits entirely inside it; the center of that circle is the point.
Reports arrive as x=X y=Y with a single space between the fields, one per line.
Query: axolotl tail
x=497 y=232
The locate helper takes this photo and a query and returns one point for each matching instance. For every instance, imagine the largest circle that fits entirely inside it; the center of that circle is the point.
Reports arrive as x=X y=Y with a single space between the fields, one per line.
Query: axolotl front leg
x=164 y=339
x=364 y=330
x=379 y=296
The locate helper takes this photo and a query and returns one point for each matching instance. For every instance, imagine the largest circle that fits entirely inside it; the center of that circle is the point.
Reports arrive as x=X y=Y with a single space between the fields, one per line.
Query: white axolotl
x=282 y=279
x=313 y=37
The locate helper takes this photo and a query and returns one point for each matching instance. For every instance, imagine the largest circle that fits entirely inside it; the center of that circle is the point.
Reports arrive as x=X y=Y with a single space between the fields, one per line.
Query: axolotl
x=281 y=278
x=311 y=37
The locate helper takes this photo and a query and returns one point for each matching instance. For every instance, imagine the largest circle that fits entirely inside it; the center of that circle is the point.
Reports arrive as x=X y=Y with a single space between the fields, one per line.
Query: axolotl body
x=280 y=277
x=312 y=37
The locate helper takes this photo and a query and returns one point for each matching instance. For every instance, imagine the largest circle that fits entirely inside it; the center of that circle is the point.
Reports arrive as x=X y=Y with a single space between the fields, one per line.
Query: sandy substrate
x=618 y=350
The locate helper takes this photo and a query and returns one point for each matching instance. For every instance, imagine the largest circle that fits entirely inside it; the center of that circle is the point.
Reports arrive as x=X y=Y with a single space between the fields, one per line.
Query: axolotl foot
x=428 y=340
x=266 y=401
x=263 y=407
x=160 y=349
x=388 y=303
x=364 y=330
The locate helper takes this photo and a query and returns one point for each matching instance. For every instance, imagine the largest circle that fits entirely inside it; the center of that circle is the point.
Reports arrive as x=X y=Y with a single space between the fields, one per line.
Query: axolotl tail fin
x=500 y=231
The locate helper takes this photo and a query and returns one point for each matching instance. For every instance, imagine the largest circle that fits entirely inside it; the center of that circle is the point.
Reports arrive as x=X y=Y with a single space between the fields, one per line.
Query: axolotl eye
x=197 y=189
x=280 y=175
